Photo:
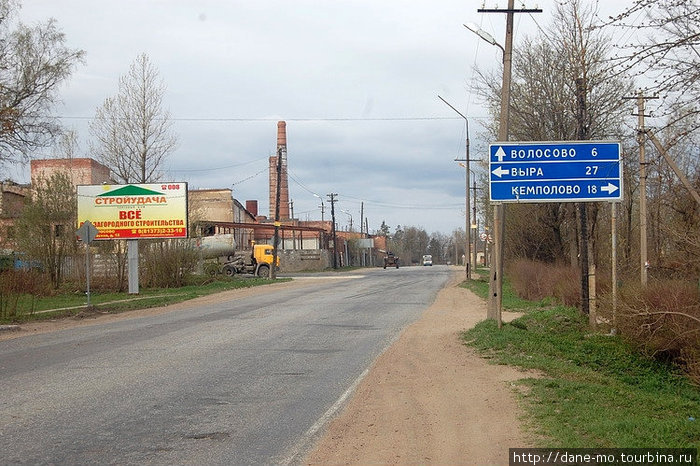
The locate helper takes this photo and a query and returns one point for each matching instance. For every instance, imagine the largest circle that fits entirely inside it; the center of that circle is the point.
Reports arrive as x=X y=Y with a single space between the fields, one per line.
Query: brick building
x=80 y=170
x=210 y=210
x=12 y=196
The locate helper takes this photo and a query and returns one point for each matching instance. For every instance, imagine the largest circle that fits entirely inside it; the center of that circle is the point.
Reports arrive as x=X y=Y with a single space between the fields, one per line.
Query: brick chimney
x=252 y=207
x=284 y=182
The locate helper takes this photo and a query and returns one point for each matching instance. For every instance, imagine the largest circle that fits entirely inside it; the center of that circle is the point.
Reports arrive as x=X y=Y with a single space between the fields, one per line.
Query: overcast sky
x=355 y=80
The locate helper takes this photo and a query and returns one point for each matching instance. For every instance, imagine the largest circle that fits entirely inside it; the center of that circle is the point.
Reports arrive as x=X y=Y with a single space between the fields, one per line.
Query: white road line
x=303 y=443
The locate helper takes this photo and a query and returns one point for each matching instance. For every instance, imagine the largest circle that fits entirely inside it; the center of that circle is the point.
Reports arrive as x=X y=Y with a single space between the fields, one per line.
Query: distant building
x=80 y=170
x=12 y=197
x=210 y=210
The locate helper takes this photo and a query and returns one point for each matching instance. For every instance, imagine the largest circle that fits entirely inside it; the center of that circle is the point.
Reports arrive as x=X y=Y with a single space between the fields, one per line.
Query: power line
x=250 y=120
x=300 y=183
x=406 y=206
x=249 y=177
x=216 y=168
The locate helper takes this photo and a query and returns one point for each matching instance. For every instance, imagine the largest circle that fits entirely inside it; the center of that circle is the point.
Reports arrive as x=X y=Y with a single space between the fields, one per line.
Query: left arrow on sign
x=500 y=171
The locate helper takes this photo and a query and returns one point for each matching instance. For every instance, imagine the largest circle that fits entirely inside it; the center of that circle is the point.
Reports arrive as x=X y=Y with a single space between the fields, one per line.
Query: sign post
x=87 y=234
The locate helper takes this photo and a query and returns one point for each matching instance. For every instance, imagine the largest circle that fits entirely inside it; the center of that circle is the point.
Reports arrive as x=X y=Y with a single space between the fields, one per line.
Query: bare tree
x=544 y=106
x=132 y=130
x=663 y=49
x=66 y=145
x=34 y=62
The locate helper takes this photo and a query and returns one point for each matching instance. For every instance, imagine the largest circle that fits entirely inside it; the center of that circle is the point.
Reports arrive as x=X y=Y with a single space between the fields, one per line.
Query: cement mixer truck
x=230 y=261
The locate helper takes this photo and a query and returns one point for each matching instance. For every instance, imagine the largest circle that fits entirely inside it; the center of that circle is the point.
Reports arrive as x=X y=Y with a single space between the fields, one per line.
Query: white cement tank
x=216 y=245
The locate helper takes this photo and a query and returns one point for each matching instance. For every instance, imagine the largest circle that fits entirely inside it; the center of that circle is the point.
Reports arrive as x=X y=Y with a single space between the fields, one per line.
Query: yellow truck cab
x=262 y=259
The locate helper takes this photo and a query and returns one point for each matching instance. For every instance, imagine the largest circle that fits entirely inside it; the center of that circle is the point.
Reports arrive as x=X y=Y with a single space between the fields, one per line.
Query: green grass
x=68 y=303
x=595 y=391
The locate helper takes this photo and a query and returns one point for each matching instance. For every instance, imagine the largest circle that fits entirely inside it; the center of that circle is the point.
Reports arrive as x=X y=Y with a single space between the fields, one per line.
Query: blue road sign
x=561 y=171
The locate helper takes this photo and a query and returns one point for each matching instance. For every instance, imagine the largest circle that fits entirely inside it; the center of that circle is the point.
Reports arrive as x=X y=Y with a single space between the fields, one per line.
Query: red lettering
x=129 y=214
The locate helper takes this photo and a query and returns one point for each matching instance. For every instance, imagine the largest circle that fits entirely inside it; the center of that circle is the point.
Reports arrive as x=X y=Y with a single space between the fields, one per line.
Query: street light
x=323 y=207
x=467 y=254
x=349 y=215
x=484 y=35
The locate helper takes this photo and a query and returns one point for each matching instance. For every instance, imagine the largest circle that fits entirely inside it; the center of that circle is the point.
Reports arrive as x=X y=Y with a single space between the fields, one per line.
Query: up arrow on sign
x=500 y=153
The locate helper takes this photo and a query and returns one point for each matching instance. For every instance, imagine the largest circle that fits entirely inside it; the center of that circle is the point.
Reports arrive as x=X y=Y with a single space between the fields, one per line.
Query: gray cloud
x=345 y=75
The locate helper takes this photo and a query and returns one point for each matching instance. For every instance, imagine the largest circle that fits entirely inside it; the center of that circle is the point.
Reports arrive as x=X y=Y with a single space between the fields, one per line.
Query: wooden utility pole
x=495 y=303
x=613 y=260
x=275 y=242
x=475 y=236
x=332 y=199
x=644 y=260
x=582 y=134
x=641 y=140
x=362 y=217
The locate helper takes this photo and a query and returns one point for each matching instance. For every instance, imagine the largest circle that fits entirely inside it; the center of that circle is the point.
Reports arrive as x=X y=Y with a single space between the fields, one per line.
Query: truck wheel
x=229 y=271
x=211 y=269
x=264 y=271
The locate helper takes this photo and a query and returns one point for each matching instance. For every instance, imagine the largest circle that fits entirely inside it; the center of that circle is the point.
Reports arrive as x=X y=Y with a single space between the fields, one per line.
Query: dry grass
x=663 y=320
x=536 y=281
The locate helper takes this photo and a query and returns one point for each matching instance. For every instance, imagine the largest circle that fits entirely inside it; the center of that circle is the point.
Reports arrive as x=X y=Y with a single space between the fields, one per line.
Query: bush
x=535 y=281
x=663 y=320
x=166 y=264
x=18 y=285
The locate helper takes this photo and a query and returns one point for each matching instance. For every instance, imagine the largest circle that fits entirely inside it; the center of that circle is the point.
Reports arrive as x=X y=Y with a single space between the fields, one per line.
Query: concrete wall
x=214 y=205
x=305 y=260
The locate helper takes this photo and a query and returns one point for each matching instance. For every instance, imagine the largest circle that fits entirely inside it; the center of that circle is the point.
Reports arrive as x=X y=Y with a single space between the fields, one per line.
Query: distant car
x=390 y=260
x=427 y=259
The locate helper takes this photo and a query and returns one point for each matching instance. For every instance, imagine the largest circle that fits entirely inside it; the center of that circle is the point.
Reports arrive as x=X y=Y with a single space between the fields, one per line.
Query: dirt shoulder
x=429 y=399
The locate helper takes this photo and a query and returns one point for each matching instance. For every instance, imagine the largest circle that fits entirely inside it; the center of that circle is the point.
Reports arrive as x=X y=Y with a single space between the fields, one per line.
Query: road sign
x=560 y=171
x=87 y=232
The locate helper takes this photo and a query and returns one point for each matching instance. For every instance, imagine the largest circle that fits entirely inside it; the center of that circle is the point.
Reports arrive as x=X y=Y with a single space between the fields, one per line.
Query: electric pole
x=275 y=243
x=475 y=236
x=333 y=200
x=495 y=304
x=641 y=140
x=362 y=216
x=582 y=134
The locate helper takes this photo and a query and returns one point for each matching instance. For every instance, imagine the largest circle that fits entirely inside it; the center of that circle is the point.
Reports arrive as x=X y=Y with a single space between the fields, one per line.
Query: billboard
x=135 y=211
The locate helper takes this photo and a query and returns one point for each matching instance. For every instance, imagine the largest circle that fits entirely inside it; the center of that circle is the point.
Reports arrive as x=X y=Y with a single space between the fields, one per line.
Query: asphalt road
x=247 y=381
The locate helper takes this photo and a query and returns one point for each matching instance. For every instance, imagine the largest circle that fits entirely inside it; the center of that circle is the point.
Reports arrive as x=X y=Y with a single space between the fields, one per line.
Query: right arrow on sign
x=500 y=171
x=610 y=188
